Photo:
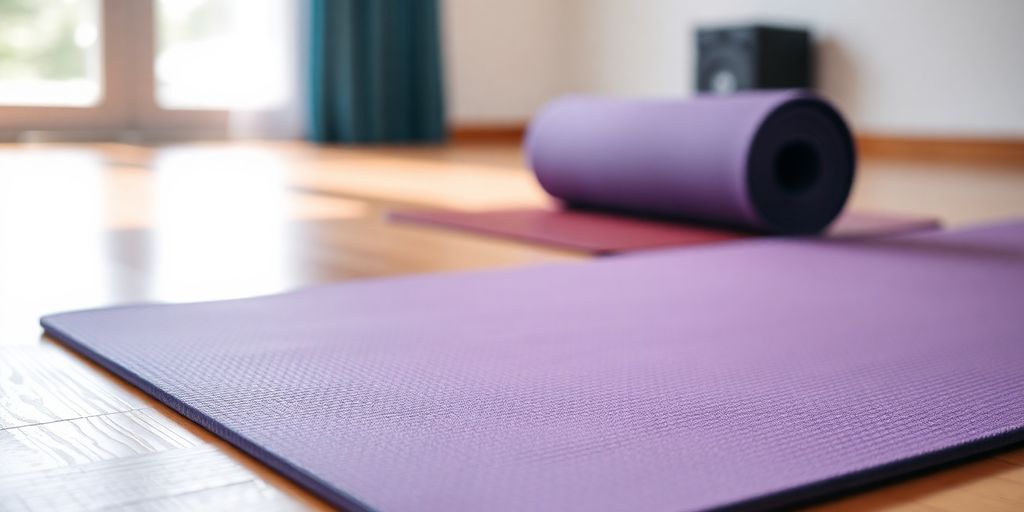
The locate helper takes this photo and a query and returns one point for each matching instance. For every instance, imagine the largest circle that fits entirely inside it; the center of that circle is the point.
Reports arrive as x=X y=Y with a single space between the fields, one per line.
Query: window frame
x=128 y=107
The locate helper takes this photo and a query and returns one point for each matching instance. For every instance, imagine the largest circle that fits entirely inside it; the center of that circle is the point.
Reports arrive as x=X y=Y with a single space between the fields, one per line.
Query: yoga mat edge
x=310 y=482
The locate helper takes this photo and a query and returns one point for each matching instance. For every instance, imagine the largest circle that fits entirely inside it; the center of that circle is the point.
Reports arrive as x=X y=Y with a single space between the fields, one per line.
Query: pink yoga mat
x=598 y=232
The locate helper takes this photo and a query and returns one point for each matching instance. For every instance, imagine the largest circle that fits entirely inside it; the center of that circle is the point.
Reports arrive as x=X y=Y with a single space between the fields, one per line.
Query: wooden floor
x=84 y=226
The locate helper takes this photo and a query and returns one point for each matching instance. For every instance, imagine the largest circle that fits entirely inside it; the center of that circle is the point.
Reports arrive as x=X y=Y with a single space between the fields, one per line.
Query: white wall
x=504 y=58
x=901 y=67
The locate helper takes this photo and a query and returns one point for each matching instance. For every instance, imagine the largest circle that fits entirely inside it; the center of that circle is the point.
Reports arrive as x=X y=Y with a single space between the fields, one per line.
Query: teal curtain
x=375 y=71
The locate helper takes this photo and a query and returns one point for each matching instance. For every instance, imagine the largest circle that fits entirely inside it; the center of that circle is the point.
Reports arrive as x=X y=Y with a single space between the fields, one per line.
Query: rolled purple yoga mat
x=779 y=162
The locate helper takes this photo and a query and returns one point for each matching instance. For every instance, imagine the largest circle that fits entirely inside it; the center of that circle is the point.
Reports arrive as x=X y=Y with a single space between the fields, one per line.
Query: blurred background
x=193 y=69
x=909 y=67
x=125 y=70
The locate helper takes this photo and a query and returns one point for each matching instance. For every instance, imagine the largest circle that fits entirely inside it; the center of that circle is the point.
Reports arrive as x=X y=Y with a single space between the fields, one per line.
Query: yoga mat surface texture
x=778 y=162
x=761 y=372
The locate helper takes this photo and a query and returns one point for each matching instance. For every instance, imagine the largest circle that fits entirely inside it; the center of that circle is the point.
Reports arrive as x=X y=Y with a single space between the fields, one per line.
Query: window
x=149 y=68
x=50 y=52
x=195 y=38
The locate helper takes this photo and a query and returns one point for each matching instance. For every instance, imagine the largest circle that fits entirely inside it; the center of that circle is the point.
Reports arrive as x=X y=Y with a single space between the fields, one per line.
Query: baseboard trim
x=487 y=133
x=868 y=145
x=872 y=145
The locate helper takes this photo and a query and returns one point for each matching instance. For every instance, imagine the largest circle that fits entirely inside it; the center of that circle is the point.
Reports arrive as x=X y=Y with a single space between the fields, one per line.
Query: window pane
x=50 y=52
x=221 y=54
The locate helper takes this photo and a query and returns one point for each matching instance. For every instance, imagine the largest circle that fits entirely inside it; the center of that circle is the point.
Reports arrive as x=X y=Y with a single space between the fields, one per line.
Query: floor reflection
x=219 y=225
x=51 y=228
x=186 y=225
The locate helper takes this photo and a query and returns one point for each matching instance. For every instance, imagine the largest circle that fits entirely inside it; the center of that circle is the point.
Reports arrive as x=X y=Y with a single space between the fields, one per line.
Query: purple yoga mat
x=760 y=372
x=779 y=162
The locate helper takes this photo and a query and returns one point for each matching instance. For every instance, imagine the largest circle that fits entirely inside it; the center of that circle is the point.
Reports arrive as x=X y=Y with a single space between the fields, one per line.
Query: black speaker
x=753 y=57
